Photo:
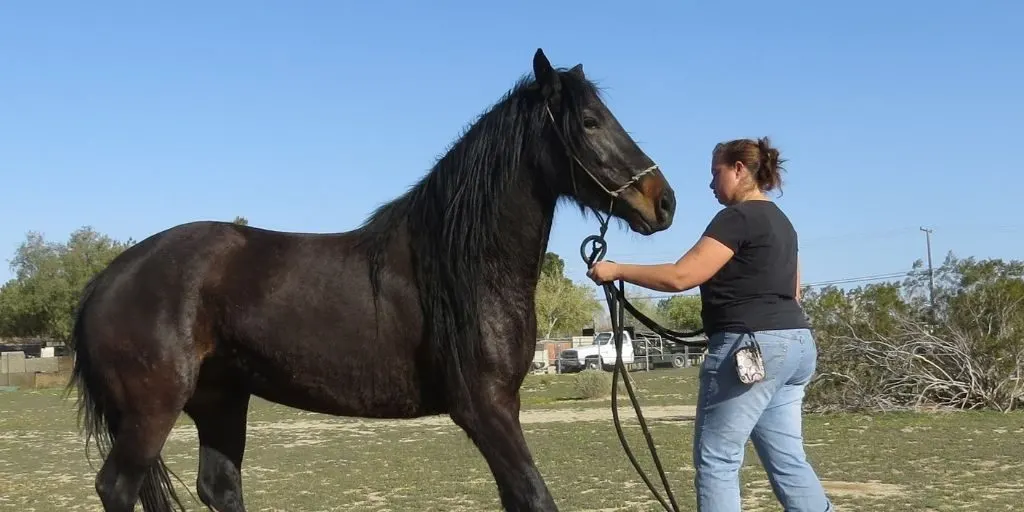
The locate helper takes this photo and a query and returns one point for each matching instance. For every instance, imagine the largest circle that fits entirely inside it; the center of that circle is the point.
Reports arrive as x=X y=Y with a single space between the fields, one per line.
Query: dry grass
x=303 y=461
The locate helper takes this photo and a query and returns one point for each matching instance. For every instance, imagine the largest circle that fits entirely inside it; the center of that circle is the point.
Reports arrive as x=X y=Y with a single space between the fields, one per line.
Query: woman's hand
x=604 y=272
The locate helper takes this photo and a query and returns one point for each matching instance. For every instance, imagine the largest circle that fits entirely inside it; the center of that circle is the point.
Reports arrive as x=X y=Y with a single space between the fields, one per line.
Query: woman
x=747 y=269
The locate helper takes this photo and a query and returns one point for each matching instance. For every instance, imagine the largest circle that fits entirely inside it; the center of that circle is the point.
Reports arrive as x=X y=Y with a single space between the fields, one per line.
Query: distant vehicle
x=600 y=354
x=640 y=350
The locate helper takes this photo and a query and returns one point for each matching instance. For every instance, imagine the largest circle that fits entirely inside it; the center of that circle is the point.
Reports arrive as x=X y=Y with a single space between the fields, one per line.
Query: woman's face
x=727 y=181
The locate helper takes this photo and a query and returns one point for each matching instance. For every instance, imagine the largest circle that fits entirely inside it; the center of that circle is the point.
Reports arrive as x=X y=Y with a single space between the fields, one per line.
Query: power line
x=861 y=279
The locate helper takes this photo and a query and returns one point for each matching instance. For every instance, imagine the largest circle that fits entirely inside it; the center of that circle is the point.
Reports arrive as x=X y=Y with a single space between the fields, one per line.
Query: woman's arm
x=701 y=262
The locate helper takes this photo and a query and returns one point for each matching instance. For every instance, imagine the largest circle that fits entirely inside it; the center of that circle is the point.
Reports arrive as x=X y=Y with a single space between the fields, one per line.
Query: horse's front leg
x=493 y=425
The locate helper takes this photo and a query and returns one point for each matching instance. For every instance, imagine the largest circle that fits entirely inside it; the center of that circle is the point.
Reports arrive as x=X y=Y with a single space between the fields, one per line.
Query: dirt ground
x=298 y=461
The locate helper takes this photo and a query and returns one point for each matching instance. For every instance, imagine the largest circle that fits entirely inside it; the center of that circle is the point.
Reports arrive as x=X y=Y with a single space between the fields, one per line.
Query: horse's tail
x=98 y=418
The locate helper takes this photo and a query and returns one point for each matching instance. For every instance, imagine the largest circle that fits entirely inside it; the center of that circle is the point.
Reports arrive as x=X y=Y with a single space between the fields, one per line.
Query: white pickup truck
x=600 y=354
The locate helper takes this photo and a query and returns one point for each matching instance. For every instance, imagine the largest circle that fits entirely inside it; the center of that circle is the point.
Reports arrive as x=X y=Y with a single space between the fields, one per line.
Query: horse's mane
x=452 y=214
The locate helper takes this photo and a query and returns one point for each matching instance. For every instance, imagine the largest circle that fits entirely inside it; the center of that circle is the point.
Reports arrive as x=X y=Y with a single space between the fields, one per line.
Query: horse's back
x=223 y=273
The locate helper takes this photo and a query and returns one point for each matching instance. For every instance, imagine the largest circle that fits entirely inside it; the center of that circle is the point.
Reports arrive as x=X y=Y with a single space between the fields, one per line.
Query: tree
x=562 y=306
x=49 y=278
x=639 y=298
x=881 y=346
x=682 y=312
x=241 y=221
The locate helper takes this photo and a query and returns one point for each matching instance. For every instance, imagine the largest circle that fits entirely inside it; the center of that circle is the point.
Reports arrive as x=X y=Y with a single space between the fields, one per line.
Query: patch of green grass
x=303 y=461
x=656 y=387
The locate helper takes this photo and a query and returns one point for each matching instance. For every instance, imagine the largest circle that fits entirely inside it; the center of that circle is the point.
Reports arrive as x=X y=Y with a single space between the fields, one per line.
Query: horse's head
x=604 y=168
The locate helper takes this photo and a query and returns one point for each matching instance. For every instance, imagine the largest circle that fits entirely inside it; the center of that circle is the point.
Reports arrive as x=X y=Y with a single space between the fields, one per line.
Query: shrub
x=882 y=348
x=593 y=384
x=596 y=384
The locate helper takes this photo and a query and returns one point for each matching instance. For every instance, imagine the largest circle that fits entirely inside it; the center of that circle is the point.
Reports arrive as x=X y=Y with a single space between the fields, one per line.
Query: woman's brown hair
x=758 y=156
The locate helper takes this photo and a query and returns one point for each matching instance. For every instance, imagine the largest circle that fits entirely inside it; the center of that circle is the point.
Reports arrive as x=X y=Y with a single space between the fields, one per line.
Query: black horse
x=439 y=283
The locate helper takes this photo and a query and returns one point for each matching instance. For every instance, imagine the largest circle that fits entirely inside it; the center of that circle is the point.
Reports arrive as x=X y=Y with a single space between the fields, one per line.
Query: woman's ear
x=739 y=169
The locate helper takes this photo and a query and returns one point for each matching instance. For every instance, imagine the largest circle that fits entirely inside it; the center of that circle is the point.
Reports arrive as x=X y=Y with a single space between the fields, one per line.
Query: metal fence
x=642 y=351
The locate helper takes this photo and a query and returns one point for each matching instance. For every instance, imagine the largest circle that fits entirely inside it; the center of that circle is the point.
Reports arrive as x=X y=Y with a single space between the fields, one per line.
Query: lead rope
x=615 y=298
x=599 y=247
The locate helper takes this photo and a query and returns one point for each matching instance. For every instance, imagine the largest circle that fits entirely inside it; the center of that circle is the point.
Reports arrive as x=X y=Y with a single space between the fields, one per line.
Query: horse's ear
x=577 y=70
x=547 y=77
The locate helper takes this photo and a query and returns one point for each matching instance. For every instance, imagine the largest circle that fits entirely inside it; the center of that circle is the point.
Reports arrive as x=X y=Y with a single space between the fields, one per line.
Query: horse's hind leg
x=220 y=419
x=494 y=427
x=134 y=460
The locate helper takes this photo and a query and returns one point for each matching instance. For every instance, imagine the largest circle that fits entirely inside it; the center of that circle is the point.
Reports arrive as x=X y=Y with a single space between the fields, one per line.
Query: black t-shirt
x=756 y=288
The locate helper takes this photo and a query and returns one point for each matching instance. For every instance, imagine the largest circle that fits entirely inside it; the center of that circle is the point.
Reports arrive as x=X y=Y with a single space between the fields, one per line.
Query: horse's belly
x=332 y=382
x=318 y=340
x=309 y=399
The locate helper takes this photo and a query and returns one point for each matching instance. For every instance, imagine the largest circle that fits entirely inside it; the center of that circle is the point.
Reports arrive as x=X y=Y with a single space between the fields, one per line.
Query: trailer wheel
x=679 y=361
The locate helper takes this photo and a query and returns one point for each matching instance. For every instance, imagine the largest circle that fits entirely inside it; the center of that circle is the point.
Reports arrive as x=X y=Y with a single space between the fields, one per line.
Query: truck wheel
x=593 y=364
x=679 y=361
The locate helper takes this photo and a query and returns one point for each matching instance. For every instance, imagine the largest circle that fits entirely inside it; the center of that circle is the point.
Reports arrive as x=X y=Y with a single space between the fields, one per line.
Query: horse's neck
x=526 y=217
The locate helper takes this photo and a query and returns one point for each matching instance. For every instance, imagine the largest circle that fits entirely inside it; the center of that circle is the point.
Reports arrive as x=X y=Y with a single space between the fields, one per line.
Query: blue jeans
x=767 y=412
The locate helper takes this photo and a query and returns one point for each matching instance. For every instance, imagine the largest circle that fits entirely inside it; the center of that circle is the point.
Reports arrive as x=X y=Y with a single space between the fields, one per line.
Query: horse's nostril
x=668 y=203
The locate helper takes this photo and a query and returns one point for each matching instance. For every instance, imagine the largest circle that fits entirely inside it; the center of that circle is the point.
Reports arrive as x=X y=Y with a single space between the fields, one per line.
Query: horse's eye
x=589 y=123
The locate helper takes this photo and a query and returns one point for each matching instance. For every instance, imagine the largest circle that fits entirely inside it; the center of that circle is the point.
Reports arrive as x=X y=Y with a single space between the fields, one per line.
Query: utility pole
x=931 y=274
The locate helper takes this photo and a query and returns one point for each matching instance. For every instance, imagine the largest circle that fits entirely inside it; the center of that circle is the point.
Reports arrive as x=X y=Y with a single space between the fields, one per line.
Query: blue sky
x=306 y=116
